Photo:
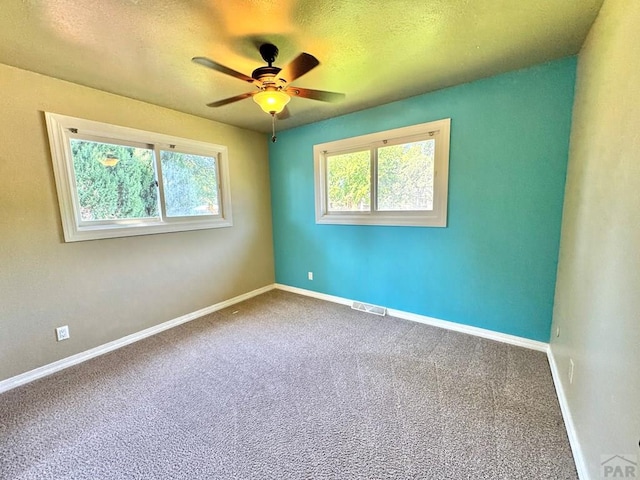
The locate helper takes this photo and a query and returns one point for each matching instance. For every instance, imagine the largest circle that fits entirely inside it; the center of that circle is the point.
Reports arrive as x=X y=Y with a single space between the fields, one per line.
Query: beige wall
x=106 y=289
x=598 y=288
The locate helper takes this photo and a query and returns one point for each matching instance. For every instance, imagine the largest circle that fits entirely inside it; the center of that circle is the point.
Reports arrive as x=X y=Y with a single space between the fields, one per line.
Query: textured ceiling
x=374 y=51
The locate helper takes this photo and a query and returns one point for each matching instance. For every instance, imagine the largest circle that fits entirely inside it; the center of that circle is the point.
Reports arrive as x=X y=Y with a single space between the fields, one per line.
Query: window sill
x=96 y=232
x=407 y=219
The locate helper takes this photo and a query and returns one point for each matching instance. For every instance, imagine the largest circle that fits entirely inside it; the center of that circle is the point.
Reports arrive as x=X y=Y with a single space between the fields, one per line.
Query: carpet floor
x=283 y=386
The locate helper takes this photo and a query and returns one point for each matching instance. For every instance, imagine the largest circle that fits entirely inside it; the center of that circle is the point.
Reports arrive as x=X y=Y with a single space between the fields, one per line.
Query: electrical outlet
x=571 y=370
x=62 y=333
x=310 y=275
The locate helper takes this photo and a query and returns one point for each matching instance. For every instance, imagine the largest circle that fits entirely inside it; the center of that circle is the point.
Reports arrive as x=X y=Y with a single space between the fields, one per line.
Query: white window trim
x=61 y=128
x=439 y=129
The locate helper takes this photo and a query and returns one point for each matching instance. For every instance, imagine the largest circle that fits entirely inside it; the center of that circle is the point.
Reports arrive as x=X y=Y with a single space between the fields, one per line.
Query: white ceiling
x=374 y=51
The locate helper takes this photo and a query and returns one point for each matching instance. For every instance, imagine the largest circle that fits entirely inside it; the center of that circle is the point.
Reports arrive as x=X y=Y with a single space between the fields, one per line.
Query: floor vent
x=366 y=307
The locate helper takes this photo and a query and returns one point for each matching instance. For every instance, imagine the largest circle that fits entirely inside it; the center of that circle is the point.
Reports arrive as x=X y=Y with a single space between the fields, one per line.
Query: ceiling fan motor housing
x=263 y=74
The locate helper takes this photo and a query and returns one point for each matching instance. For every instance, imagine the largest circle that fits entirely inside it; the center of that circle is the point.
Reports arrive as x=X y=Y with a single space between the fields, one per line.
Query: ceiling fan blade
x=226 y=101
x=284 y=114
x=205 y=62
x=300 y=65
x=315 y=94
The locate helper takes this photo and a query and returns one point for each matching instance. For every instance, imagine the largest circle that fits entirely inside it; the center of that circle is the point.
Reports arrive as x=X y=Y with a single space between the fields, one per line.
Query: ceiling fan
x=274 y=89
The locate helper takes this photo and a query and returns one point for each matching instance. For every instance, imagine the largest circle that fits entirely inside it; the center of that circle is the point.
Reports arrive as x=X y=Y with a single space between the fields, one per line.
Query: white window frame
x=438 y=130
x=62 y=128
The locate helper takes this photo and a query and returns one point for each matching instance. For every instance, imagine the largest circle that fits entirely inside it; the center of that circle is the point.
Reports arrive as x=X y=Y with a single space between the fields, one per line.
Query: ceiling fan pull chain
x=273 y=127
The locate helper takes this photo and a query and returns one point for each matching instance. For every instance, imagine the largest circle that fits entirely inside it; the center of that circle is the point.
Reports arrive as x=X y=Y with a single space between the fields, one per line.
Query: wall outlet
x=310 y=275
x=571 y=365
x=62 y=333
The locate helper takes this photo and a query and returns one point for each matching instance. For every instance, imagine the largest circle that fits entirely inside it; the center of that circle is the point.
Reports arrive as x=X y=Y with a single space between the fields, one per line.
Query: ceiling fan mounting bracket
x=269 y=52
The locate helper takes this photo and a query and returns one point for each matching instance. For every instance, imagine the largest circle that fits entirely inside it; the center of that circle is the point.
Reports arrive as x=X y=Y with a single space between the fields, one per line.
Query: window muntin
x=403 y=172
x=115 y=181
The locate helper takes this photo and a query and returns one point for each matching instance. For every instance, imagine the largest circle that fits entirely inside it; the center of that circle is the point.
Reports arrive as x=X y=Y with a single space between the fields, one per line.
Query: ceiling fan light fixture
x=271 y=101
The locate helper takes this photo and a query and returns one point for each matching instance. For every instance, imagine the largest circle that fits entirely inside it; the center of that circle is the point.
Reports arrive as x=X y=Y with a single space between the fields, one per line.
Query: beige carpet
x=294 y=388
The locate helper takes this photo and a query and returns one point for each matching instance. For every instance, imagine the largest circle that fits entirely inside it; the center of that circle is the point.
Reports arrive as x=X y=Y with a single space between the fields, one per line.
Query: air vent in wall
x=366 y=307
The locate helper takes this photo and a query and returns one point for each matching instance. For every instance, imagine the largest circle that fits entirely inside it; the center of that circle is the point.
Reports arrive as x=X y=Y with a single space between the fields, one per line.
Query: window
x=397 y=177
x=117 y=182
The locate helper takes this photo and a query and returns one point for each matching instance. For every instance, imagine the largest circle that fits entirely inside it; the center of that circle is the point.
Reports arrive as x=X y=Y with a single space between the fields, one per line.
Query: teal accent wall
x=494 y=265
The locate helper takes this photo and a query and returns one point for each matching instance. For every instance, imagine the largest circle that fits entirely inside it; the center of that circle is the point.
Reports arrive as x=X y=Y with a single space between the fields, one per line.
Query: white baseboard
x=457 y=327
x=45 y=370
x=576 y=449
x=311 y=293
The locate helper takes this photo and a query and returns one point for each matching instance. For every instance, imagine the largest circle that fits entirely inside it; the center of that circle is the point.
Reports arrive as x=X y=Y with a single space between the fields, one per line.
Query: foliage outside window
x=397 y=177
x=116 y=181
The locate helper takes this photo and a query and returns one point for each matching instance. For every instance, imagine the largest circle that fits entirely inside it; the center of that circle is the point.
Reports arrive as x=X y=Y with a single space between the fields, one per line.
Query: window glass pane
x=190 y=184
x=405 y=176
x=114 y=182
x=349 y=182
